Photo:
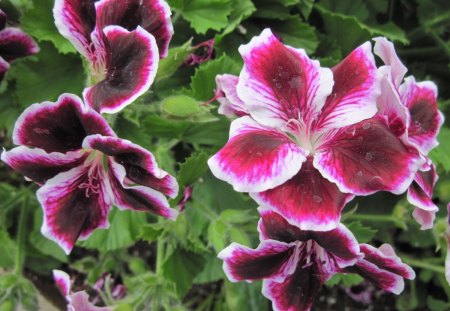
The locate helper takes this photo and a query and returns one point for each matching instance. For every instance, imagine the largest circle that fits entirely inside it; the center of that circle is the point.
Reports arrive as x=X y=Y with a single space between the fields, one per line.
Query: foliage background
x=172 y=265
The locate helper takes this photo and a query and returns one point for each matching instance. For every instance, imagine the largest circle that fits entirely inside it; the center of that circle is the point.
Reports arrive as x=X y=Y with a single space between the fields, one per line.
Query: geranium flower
x=411 y=112
x=226 y=94
x=14 y=43
x=84 y=168
x=78 y=301
x=294 y=263
x=311 y=140
x=123 y=41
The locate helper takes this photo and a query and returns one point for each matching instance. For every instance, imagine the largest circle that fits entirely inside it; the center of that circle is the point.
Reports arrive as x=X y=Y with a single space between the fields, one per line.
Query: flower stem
x=423 y=264
x=159 y=256
x=20 y=255
x=176 y=16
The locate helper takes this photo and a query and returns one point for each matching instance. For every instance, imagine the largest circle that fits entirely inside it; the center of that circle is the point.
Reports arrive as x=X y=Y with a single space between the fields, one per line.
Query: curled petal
x=426 y=119
x=272 y=259
x=383 y=268
x=360 y=159
x=256 y=158
x=386 y=51
x=75 y=203
x=279 y=83
x=151 y=15
x=39 y=166
x=273 y=226
x=230 y=103
x=140 y=165
x=60 y=126
x=80 y=301
x=138 y=198
x=75 y=20
x=424 y=217
x=62 y=281
x=355 y=90
x=131 y=65
x=296 y=292
x=14 y=43
x=307 y=200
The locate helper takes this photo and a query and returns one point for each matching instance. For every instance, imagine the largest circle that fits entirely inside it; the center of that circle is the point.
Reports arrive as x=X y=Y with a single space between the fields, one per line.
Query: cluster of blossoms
x=69 y=149
x=309 y=139
x=14 y=43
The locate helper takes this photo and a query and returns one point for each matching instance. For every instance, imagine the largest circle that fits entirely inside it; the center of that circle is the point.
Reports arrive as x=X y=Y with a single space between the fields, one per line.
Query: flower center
x=299 y=132
x=95 y=166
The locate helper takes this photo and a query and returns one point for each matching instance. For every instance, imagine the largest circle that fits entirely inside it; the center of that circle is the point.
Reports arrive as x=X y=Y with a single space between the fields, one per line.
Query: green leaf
x=242 y=9
x=305 y=7
x=356 y=8
x=298 y=34
x=345 y=279
x=437 y=305
x=205 y=14
x=169 y=65
x=193 y=168
x=17 y=290
x=151 y=232
x=124 y=231
x=8 y=249
x=181 y=106
x=181 y=267
x=269 y=9
x=217 y=233
x=441 y=154
x=362 y=233
x=245 y=296
x=212 y=270
x=47 y=76
x=203 y=82
x=39 y=22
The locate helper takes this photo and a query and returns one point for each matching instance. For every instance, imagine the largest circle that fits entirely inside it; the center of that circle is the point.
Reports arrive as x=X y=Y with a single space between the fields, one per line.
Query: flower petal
x=4 y=67
x=273 y=226
x=424 y=218
x=75 y=203
x=80 y=301
x=138 y=198
x=296 y=292
x=14 y=43
x=272 y=259
x=360 y=159
x=386 y=51
x=152 y=15
x=256 y=158
x=355 y=90
x=140 y=165
x=39 y=166
x=75 y=20
x=131 y=65
x=62 y=281
x=2 y=19
x=230 y=103
x=279 y=83
x=60 y=126
x=426 y=119
x=307 y=200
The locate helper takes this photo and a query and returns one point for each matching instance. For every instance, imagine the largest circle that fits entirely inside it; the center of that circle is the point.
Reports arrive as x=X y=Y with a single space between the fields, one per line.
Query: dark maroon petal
x=131 y=65
x=361 y=159
x=60 y=126
x=426 y=119
x=297 y=292
x=140 y=165
x=14 y=43
x=274 y=226
x=138 y=198
x=75 y=20
x=307 y=200
x=75 y=203
x=355 y=90
x=4 y=67
x=279 y=84
x=272 y=259
x=256 y=158
x=339 y=242
x=39 y=166
x=152 y=15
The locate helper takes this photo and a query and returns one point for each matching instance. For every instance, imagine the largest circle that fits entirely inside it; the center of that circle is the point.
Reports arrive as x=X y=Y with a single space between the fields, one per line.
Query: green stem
x=391 y=9
x=160 y=248
x=176 y=16
x=20 y=255
x=372 y=217
x=423 y=264
x=440 y=42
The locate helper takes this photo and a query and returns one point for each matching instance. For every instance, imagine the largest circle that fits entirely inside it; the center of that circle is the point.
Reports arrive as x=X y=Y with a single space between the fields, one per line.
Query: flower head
x=123 y=41
x=294 y=263
x=84 y=168
x=311 y=138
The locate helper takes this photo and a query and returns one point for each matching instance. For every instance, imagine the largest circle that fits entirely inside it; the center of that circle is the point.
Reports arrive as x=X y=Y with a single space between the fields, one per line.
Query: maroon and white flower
x=311 y=139
x=123 y=41
x=78 y=301
x=14 y=43
x=84 y=169
x=411 y=111
x=294 y=263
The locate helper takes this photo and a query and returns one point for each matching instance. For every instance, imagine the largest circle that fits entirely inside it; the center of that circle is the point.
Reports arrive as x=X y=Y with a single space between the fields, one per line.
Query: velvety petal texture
x=256 y=157
x=130 y=68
